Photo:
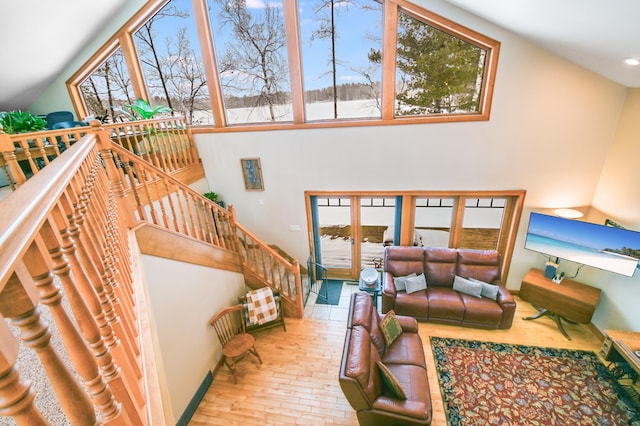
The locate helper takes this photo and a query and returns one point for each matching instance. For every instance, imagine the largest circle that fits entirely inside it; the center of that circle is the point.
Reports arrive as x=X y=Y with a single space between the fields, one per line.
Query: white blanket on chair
x=261 y=306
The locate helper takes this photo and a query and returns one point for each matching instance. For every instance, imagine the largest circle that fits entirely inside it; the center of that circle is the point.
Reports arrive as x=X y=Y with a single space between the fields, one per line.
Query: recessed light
x=631 y=61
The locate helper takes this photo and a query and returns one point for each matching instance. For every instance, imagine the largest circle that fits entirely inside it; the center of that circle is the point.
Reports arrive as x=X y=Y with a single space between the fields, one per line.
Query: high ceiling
x=38 y=39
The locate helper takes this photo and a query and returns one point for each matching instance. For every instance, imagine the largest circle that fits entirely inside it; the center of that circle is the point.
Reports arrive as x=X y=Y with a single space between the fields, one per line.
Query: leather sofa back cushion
x=441 y=266
x=366 y=316
x=362 y=363
x=483 y=265
x=403 y=260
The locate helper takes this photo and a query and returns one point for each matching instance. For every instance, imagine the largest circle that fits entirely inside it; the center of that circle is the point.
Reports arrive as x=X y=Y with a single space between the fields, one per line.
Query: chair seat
x=238 y=345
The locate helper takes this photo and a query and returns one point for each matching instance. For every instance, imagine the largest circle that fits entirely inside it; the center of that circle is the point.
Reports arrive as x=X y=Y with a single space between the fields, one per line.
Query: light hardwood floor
x=298 y=382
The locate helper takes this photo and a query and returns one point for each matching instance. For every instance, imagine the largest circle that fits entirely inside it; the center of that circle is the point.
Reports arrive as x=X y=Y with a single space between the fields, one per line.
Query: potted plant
x=142 y=110
x=214 y=197
x=21 y=122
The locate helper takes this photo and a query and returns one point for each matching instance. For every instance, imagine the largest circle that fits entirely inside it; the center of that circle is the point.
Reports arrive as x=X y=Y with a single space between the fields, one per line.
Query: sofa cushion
x=361 y=365
x=400 y=283
x=390 y=327
x=407 y=349
x=362 y=313
x=401 y=260
x=414 y=304
x=489 y=291
x=463 y=285
x=445 y=304
x=440 y=266
x=391 y=382
x=481 y=311
x=483 y=265
x=415 y=383
x=416 y=283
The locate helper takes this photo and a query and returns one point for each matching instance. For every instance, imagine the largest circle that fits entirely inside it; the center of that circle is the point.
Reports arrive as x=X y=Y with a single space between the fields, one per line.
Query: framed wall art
x=252 y=174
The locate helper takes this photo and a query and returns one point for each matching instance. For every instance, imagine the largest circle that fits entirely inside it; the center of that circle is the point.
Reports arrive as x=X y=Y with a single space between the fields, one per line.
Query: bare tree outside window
x=338 y=36
x=251 y=47
x=108 y=89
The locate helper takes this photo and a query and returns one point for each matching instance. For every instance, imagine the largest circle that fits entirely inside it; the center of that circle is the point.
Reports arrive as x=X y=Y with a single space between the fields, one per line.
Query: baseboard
x=195 y=401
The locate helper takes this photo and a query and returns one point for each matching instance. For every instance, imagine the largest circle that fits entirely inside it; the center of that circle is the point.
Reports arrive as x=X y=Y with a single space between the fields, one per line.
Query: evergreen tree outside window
x=437 y=72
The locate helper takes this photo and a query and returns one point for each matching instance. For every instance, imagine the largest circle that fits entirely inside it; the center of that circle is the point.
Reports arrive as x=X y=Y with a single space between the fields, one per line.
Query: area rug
x=332 y=288
x=493 y=383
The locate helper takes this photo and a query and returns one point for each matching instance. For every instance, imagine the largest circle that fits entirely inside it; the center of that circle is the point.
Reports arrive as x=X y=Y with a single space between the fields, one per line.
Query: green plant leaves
x=144 y=110
x=21 y=122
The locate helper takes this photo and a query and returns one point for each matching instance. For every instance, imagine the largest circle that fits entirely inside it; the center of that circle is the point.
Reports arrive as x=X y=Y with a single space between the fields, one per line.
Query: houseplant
x=21 y=122
x=214 y=197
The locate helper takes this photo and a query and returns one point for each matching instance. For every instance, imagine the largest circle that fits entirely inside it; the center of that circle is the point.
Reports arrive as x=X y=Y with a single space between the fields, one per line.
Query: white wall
x=551 y=127
x=183 y=299
x=618 y=196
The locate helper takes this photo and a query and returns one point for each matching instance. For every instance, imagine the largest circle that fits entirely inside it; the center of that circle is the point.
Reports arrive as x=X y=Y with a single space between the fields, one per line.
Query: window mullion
x=390 y=40
x=205 y=36
x=292 y=28
x=131 y=58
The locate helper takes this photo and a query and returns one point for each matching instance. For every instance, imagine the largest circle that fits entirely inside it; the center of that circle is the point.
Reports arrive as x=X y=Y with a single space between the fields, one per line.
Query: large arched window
x=273 y=65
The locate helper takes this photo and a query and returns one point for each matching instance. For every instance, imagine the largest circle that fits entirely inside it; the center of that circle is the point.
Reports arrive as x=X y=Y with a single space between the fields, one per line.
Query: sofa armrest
x=416 y=409
x=388 y=292
x=508 y=304
x=408 y=324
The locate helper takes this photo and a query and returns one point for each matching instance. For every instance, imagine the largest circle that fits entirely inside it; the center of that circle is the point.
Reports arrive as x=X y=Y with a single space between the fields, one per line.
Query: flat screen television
x=604 y=247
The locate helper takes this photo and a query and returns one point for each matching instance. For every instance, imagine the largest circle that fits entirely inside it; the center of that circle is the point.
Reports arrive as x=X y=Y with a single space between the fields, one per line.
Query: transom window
x=254 y=63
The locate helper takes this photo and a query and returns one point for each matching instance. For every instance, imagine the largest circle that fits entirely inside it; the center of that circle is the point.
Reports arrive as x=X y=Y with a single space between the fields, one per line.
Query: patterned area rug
x=491 y=383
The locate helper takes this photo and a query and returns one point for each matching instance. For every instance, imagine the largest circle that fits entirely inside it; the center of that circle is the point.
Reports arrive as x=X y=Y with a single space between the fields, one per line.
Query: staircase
x=69 y=224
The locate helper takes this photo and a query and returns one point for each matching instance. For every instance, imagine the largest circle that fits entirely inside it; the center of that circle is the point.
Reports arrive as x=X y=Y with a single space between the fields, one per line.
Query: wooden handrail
x=70 y=225
x=64 y=227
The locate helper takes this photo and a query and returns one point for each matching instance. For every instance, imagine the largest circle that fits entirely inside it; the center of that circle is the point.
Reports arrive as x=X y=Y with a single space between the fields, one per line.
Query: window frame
x=123 y=38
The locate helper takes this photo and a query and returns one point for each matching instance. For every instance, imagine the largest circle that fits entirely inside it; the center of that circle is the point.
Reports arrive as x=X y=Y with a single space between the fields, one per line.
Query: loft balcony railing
x=67 y=240
x=167 y=143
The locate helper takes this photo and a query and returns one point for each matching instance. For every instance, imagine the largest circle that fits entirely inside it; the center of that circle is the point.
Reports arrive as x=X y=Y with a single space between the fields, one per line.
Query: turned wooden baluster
x=105 y=344
x=19 y=302
x=93 y=239
x=8 y=150
x=16 y=394
x=80 y=355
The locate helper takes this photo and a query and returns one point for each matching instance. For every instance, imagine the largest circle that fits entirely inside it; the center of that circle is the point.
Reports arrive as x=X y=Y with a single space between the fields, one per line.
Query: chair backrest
x=228 y=323
x=57 y=116
x=68 y=124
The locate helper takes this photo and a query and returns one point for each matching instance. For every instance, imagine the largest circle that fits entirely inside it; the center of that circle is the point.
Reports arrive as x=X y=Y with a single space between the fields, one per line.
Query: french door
x=350 y=232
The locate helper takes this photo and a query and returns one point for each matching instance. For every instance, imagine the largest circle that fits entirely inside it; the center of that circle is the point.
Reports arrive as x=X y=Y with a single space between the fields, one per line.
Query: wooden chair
x=236 y=342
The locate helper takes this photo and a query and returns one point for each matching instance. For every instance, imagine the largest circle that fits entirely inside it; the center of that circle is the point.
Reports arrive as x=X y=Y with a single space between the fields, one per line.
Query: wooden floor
x=298 y=382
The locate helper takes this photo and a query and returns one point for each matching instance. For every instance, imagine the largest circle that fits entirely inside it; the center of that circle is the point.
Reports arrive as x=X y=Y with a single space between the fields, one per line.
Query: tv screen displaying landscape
x=604 y=247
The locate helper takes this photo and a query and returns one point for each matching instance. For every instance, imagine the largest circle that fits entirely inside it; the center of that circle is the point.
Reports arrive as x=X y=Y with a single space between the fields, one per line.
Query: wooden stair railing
x=156 y=197
x=265 y=266
x=66 y=227
x=165 y=142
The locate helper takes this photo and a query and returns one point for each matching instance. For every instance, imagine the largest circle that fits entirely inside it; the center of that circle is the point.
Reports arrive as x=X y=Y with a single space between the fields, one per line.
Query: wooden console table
x=621 y=346
x=570 y=300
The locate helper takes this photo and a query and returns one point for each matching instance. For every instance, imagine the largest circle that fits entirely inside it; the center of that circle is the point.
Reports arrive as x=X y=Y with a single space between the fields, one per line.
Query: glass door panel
x=377 y=220
x=432 y=223
x=335 y=232
x=482 y=223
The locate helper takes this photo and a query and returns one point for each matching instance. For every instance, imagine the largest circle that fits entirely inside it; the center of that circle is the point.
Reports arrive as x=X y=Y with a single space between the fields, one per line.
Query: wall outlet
x=294 y=227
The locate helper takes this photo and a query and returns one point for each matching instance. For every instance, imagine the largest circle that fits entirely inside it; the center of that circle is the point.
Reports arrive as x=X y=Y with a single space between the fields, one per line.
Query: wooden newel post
x=8 y=151
x=234 y=228
x=105 y=146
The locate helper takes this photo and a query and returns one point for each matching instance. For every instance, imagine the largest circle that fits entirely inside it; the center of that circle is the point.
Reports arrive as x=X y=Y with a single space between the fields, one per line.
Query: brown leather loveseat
x=360 y=375
x=439 y=302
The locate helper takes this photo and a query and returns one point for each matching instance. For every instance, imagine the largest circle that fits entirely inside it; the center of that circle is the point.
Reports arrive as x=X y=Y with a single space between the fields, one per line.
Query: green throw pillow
x=391 y=382
x=390 y=327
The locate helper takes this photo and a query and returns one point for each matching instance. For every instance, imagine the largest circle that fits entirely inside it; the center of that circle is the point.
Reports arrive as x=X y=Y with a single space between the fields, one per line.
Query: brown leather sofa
x=440 y=302
x=360 y=377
